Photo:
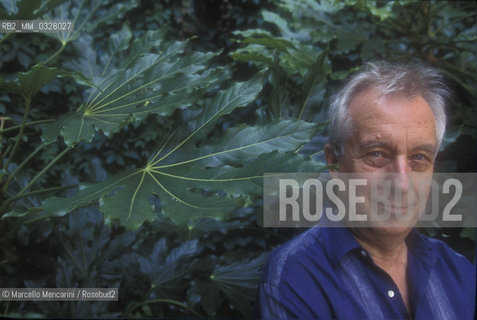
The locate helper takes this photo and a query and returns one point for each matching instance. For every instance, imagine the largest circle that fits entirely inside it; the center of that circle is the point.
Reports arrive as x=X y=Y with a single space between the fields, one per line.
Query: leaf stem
x=9 y=147
x=44 y=217
x=5 y=37
x=167 y=301
x=2 y=122
x=6 y=309
x=316 y=153
x=53 y=56
x=305 y=103
x=59 y=188
x=36 y=219
x=21 y=166
x=26 y=125
x=58 y=157
x=20 y=133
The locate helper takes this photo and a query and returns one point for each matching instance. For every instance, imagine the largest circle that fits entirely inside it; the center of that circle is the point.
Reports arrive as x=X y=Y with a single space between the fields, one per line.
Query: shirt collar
x=337 y=242
x=421 y=247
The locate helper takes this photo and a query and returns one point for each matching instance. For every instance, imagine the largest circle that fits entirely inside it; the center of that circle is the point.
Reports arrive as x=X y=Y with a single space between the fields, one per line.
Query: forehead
x=377 y=116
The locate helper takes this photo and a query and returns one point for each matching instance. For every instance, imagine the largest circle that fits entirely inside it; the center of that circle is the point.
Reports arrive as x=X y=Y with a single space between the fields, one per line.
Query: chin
x=393 y=230
x=399 y=223
x=393 y=227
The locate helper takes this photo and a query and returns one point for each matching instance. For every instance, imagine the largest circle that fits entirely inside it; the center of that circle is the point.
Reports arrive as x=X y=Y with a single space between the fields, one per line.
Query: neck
x=385 y=250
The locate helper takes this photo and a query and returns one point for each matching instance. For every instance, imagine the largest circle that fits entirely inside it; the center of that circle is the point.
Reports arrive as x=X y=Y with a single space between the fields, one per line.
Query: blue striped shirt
x=325 y=274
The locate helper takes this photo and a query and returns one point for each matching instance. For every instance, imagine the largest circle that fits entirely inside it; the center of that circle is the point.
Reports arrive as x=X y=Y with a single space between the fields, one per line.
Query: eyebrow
x=427 y=147
x=431 y=148
x=374 y=143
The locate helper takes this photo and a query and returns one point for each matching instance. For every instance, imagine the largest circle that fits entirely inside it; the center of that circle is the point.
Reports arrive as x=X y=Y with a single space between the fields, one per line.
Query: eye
x=376 y=154
x=419 y=157
x=377 y=158
x=420 y=162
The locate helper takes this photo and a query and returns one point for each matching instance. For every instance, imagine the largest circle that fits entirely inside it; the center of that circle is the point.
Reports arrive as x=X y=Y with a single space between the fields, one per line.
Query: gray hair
x=407 y=80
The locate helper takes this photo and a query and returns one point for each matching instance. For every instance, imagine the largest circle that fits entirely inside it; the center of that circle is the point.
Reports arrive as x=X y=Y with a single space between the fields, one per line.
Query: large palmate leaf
x=192 y=184
x=129 y=89
x=127 y=197
x=130 y=201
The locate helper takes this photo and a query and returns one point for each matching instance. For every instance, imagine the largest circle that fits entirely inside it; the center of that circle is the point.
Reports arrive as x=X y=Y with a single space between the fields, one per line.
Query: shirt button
x=390 y=293
x=363 y=253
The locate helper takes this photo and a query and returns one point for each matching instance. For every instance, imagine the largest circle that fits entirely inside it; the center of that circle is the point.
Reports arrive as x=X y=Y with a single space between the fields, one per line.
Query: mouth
x=396 y=209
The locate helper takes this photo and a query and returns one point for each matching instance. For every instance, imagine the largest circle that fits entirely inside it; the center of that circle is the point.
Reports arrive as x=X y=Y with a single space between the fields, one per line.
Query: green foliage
x=29 y=83
x=133 y=157
x=193 y=181
x=160 y=82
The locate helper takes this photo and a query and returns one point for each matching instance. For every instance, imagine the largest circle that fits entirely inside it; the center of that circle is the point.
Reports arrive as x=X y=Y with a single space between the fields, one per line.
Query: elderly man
x=388 y=118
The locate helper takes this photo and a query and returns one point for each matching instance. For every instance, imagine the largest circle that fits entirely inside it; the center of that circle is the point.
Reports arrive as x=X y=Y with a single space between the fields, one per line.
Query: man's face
x=392 y=138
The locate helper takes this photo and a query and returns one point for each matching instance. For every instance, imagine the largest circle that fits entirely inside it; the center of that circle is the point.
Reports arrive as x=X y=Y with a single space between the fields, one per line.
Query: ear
x=330 y=156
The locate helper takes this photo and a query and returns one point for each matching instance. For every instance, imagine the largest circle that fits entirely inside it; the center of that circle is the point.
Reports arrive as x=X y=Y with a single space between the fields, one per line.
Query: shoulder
x=291 y=281
x=445 y=255
x=453 y=274
x=452 y=268
x=294 y=255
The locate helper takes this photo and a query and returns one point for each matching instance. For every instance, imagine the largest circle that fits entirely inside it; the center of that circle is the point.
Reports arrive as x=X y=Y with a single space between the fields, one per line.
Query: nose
x=400 y=172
